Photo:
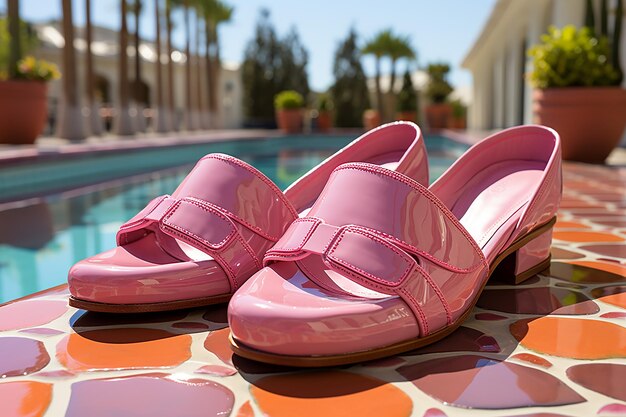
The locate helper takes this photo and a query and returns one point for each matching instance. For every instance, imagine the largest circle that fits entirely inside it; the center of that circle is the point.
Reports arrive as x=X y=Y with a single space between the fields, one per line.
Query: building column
x=568 y=12
x=499 y=86
x=473 y=109
x=514 y=81
x=485 y=117
x=536 y=27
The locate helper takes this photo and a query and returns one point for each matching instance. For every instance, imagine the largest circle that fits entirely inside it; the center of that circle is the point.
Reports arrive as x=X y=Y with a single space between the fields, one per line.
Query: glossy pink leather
x=533 y=253
x=381 y=259
x=211 y=234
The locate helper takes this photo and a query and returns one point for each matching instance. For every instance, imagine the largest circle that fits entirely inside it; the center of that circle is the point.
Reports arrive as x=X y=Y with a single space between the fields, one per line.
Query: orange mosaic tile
x=604 y=266
x=217 y=343
x=574 y=203
x=569 y=225
x=245 y=410
x=571 y=337
x=24 y=398
x=329 y=393
x=533 y=359
x=618 y=300
x=123 y=348
x=586 y=237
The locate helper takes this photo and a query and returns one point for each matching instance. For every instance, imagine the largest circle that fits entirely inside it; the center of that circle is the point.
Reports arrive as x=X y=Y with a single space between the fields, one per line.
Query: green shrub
x=438 y=88
x=288 y=99
x=407 y=97
x=459 y=110
x=571 y=57
x=28 y=42
x=324 y=103
x=34 y=69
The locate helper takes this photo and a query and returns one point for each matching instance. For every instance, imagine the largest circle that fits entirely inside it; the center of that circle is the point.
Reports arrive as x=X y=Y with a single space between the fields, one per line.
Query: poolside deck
x=555 y=345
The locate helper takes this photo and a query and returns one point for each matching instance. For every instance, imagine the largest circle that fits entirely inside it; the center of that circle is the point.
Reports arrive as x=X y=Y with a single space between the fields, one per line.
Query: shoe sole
x=148 y=308
x=401 y=347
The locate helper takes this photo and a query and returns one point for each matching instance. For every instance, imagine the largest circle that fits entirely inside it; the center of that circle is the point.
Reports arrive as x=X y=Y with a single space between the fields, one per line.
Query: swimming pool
x=41 y=238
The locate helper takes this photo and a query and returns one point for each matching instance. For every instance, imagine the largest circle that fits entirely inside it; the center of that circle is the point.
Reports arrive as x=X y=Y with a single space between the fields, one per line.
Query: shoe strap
x=202 y=225
x=250 y=216
x=401 y=209
x=417 y=261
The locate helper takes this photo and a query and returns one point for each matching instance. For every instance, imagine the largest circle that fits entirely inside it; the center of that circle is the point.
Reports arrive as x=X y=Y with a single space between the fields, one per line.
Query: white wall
x=498 y=59
x=232 y=113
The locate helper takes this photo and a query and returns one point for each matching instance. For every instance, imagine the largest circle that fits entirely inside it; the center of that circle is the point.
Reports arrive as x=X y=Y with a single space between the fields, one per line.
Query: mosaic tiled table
x=554 y=346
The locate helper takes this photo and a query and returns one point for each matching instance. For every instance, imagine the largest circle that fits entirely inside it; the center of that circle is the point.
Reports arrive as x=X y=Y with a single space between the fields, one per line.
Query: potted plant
x=407 y=100
x=23 y=88
x=577 y=79
x=459 y=115
x=324 y=113
x=288 y=106
x=438 y=112
x=371 y=119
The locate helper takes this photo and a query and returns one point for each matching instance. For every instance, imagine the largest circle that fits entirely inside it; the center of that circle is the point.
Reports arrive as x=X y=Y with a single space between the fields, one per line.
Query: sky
x=440 y=30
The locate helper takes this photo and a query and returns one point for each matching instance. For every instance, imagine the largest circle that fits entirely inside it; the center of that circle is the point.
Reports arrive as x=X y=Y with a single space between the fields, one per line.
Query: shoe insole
x=493 y=195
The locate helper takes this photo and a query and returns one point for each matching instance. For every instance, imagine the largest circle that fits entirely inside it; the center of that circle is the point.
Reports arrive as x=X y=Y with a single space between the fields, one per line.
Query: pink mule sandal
x=197 y=246
x=382 y=265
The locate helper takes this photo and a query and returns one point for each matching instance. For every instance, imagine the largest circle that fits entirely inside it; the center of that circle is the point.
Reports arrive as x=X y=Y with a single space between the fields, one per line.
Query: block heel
x=529 y=256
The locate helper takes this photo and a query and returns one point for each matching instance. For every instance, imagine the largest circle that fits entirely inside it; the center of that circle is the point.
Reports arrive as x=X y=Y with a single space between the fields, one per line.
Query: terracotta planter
x=438 y=115
x=23 y=111
x=371 y=119
x=408 y=116
x=590 y=120
x=457 y=123
x=324 y=121
x=290 y=120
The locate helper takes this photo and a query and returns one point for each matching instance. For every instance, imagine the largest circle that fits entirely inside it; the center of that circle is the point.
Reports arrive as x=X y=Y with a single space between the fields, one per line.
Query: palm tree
x=387 y=44
x=202 y=122
x=188 y=117
x=158 y=114
x=139 y=94
x=379 y=48
x=173 y=122
x=123 y=123
x=95 y=122
x=216 y=12
x=70 y=123
x=399 y=48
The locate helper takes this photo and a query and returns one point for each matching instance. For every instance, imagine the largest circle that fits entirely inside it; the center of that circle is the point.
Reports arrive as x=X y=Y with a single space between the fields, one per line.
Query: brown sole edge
x=148 y=308
x=401 y=347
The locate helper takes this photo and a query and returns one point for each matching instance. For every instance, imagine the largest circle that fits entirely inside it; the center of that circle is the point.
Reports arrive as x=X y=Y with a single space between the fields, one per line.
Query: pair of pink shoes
x=357 y=260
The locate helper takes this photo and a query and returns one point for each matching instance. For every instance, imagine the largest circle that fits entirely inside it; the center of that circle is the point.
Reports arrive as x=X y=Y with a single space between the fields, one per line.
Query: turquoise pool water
x=41 y=238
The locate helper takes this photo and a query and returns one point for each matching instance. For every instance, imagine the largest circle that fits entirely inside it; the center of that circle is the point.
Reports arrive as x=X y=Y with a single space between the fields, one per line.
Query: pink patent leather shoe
x=382 y=265
x=197 y=246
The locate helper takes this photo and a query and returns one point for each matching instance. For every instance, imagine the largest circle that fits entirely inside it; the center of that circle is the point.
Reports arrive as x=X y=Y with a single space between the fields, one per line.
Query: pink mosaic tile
x=556 y=344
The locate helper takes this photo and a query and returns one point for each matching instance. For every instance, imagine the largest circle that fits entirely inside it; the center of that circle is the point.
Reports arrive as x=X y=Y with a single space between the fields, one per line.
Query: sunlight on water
x=39 y=242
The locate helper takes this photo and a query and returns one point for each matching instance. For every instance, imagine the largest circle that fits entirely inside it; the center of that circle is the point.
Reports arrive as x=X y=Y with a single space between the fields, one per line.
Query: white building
x=502 y=96
x=105 y=50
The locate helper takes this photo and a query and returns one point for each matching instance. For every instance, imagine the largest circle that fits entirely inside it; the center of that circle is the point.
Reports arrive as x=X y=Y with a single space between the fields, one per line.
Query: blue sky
x=440 y=30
